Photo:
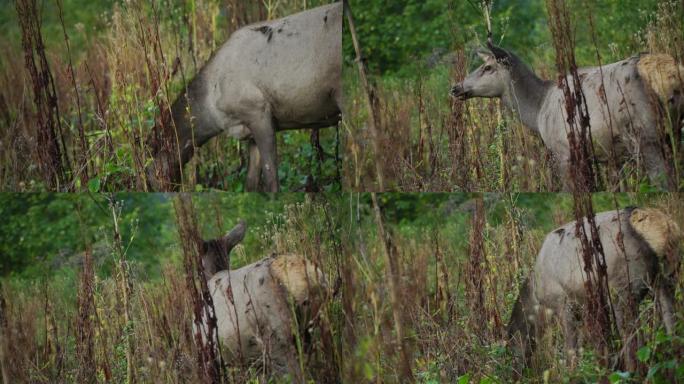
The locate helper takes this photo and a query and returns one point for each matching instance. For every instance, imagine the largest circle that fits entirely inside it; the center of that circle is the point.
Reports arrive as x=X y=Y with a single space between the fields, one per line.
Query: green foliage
x=302 y=156
x=396 y=33
x=32 y=225
x=42 y=233
x=663 y=363
x=83 y=20
x=404 y=34
x=398 y=36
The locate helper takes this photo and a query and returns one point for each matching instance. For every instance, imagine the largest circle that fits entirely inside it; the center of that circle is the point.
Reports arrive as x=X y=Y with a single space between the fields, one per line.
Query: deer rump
x=254 y=306
x=621 y=99
x=557 y=283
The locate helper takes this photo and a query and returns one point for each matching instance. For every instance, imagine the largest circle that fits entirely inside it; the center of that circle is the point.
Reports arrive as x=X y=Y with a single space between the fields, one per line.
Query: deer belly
x=607 y=143
x=240 y=132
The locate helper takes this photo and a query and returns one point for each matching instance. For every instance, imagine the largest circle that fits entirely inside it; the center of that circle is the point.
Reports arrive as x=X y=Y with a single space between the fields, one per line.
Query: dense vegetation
x=51 y=230
x=416 y=50
x=450 y=331
x=399 y=37
x=110 y=69
x=95 y=287
x=74 y=254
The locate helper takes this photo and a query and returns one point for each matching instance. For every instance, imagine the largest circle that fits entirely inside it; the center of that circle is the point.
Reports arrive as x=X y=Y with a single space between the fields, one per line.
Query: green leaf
x=465 y=379
x=644 y=353
x=618 y=376
x=94 y=185
x=652 y=371
x=111 y=168
x=661 y=337
x=670 y=364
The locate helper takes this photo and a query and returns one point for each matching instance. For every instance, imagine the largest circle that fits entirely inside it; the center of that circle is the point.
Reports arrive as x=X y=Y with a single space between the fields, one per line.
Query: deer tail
x=658 y=230
x=297 y=275
x=664 y=76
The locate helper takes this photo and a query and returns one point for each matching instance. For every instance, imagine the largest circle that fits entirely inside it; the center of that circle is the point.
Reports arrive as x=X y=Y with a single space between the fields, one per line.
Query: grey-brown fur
x=556 y=286
x=269 y=76
x=255 y=305
x=622 y=108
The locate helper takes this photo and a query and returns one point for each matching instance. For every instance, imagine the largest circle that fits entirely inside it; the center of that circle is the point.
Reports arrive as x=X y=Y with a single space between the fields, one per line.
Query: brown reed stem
x=85 y=342
x=51 y=158
x=369 y=93
x=84 y=158
x=392 y=275
x=124 y=286
x=475 y=278
x=209 y=360
x=3 y=337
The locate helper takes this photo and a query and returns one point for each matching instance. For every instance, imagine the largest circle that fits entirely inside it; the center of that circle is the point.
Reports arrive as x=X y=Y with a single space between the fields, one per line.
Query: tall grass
x=427 y=294
x=127 y=328
x=458 y=277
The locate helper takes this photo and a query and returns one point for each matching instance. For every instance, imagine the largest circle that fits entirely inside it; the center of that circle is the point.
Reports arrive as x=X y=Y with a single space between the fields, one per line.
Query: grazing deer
x=620 y=99
x=269 y=76
x=256 y=305
x=556 y=285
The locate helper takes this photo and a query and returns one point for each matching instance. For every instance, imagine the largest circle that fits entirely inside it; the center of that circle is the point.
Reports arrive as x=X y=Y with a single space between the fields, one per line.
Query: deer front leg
x=253 y=167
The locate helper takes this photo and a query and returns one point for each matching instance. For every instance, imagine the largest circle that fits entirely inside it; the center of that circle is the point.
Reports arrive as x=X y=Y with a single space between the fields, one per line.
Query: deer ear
x=234 y=236
x=484 y=54
x=499 y=53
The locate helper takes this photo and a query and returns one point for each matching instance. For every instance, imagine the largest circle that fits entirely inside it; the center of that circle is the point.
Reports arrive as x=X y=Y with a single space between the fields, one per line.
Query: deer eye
x=487 y=68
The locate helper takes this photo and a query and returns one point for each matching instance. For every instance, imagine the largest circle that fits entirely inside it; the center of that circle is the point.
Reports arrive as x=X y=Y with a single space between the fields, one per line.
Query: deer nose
x=458 y=92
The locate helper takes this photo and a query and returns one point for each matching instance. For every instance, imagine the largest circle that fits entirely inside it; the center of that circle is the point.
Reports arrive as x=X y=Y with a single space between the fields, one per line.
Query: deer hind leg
x=253 y=167
x=624 y=323
x=262 y=126
x=569 y=322
x=665 y=296
x=563 y=168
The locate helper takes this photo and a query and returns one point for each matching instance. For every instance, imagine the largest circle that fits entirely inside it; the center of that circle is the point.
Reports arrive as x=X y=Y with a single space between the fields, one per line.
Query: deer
x=634 y=241
x=625 y=101
x=267 y=77
x=258 y=306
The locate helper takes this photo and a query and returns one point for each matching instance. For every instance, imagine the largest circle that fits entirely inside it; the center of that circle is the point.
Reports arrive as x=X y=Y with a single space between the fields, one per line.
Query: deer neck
x=185 y=129
x=190 y=125
x=525 y=94
x=523 y=311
